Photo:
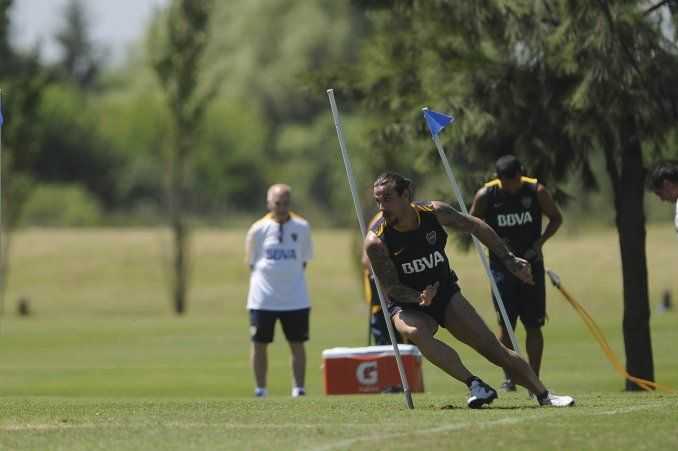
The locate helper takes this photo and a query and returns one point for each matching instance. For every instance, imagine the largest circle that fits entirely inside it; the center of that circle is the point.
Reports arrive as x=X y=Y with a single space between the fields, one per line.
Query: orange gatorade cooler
x=371 y=369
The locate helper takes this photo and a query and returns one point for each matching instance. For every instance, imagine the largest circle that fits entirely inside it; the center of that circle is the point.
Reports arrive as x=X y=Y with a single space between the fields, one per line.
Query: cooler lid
x=334 y=353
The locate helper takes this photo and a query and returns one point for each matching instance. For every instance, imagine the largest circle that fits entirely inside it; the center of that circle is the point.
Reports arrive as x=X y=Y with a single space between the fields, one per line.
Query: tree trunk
x=630 y=220
x=177 y=190
x=180 y=268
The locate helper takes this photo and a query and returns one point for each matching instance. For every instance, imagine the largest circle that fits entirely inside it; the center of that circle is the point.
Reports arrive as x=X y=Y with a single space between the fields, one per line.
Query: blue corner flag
x=2 y=119
x=436 y=121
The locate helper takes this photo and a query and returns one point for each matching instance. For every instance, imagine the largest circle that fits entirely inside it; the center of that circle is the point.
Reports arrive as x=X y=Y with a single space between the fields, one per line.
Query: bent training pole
x=600 y=338
x=363 y=231
x=436 y=123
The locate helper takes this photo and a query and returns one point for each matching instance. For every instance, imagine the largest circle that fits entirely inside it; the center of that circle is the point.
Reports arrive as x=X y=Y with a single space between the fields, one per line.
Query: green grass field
x=102 y=363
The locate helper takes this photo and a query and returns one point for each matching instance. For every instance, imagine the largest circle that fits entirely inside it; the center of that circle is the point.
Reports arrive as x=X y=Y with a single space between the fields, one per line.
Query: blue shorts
x=294 y=324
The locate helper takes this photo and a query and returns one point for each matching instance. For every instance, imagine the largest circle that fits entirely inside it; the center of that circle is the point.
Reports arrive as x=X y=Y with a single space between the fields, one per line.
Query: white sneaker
x=554 y=400
x=298 y=391
x=481 y=394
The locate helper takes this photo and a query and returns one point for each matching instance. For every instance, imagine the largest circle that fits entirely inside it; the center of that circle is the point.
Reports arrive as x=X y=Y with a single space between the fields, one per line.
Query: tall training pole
x=363 y=231
x=435 y=128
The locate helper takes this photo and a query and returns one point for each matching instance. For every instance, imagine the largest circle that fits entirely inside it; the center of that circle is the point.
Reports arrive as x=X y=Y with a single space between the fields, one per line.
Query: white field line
x=622 y=410
x=343 y=444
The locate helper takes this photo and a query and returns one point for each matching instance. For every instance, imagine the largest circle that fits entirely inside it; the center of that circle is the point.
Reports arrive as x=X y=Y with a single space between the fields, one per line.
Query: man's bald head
x=276 y=190
x=278 y=201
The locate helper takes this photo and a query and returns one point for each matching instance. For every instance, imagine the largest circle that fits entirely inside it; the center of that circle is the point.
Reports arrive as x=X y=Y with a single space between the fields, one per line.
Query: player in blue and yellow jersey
x=406 y=248
x=513 y=205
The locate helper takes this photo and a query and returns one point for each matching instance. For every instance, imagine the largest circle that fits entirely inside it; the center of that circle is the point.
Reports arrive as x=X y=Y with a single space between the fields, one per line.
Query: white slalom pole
x=363 y=231
x=478 y=246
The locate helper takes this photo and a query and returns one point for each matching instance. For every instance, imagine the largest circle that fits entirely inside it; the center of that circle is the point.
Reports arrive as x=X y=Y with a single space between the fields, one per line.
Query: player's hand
x=520 y=268
x=533 y=253
x=426 y=296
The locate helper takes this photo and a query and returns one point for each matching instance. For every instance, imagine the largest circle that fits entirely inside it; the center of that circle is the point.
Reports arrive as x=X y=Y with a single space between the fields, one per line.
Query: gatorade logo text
x=513 y=219
x=366 y=373
x=422 y=264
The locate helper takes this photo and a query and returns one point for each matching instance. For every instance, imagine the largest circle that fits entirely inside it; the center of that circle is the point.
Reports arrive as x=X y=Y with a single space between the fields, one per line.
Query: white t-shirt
x=277 y=254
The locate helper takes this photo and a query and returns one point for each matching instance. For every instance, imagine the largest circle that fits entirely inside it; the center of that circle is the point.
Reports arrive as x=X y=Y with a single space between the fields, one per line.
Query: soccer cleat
x=508 y=385
x=481 y=394
x=551 y=399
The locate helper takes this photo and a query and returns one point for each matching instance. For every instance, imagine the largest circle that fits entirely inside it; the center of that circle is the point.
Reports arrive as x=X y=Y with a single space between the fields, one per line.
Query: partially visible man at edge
x=663 y=181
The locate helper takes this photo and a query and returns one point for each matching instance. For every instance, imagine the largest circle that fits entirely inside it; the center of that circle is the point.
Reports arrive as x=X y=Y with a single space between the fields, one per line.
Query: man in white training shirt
x=278 y=247
x=663 y=181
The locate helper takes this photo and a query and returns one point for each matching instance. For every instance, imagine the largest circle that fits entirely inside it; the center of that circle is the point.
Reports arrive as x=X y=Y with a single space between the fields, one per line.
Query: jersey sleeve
x=252 y=247
x=307 y=245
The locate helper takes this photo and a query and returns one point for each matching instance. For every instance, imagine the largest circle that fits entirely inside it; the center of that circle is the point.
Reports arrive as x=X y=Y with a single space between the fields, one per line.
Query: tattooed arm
x=450 y=217
x=387 y=275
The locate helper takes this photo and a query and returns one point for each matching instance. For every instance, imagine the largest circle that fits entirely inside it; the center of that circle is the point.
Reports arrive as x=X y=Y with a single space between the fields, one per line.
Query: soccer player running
x=278 y=247
x=407 y=250
x=513 y=205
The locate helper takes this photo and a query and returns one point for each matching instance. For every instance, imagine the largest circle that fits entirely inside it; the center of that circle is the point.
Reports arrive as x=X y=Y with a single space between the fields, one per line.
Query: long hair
x=400 y=183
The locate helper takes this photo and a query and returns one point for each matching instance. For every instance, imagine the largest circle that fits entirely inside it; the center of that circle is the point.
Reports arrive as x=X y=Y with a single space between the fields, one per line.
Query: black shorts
x=437 y=308
x=294 y=324
x=521 y=300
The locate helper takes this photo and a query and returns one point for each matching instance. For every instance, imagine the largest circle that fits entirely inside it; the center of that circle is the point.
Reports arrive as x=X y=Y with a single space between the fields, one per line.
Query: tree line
x=89 y=141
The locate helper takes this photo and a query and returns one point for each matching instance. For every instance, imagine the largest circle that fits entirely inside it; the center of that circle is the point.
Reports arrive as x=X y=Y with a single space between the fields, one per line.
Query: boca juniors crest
x=431 y=237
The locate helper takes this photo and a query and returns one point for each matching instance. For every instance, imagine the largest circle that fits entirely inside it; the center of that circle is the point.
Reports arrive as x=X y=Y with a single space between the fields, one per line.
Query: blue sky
x=115 y=23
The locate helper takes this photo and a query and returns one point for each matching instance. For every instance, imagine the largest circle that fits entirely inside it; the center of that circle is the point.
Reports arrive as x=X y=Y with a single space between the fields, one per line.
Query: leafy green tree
x=133 y=122
x=230 y=162
x=556 y=82
x=270 y=72
x=5 y=50
x=178 y=67
x=81 y=58
x=72 y=149
x=264 y=95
